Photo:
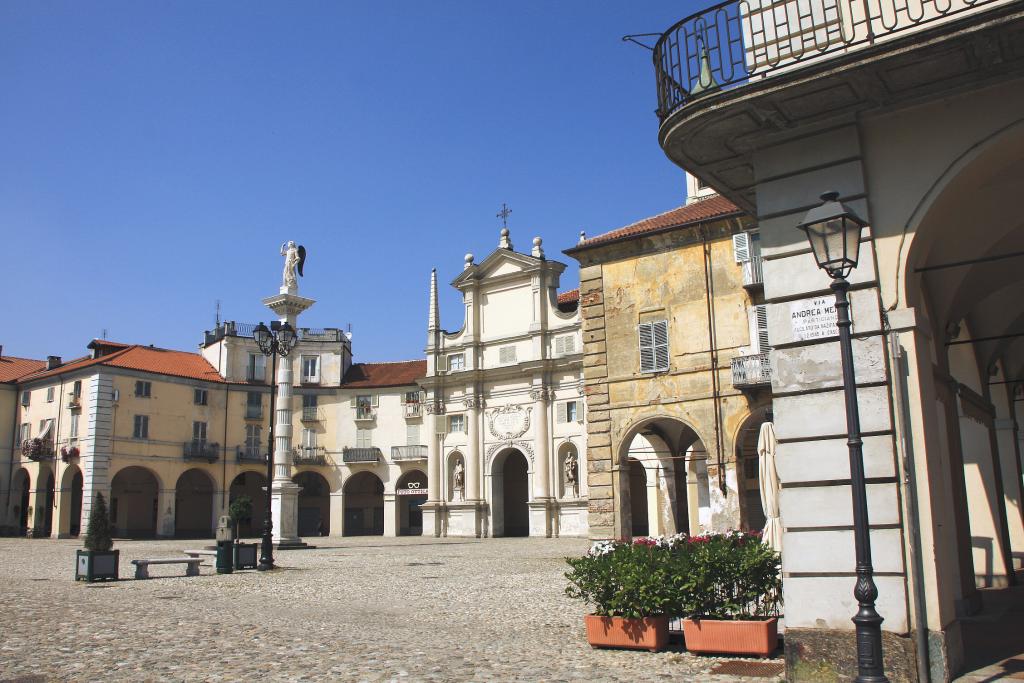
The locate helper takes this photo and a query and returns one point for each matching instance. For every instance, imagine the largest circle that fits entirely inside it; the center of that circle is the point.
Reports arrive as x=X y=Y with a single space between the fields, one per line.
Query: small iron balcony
x=370 y=454
x=311 y=414
x=309 y=455
x=413 y=409
x=403 y=453
x=753 y=277
x=751 y=371
x=249 y=454
x=201 y=450
x=366 y=413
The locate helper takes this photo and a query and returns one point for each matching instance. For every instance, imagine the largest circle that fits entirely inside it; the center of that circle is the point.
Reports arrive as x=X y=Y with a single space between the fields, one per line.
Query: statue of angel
x=294 y=258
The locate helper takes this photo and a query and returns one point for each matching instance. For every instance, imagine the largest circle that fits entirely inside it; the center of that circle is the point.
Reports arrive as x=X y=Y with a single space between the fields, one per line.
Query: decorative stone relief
x=509 y=422
x=523 y=446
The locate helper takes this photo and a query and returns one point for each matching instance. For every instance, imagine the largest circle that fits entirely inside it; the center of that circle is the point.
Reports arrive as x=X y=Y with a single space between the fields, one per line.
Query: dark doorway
x=638 y=498
x=314 y=504
x=364 y=505
x=253 y=486
x=515 y=494
x=411 y=492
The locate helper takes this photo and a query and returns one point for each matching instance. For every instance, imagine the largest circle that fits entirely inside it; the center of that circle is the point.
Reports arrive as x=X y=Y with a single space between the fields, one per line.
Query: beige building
x=677 y=377
x=14 y=502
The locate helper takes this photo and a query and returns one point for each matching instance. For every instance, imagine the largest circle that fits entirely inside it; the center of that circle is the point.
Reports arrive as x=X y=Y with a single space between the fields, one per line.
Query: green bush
x=240 y=510
x=97 y=534
x=714 y=576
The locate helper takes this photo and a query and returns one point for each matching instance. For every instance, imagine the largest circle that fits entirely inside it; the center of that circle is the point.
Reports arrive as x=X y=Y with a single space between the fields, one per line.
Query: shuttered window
x=741 y=247
x=568 y=411
x=565 y=345
x=364 y=438
x=654 y=346
x=412 y=434
x=759 y=329
x=456 y=424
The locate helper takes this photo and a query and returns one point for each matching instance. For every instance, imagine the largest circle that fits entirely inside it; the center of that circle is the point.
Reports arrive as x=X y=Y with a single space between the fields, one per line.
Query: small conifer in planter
x=97 y=561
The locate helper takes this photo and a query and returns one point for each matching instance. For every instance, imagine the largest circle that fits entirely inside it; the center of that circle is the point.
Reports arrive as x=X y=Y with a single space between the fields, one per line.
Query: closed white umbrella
x=769 y=483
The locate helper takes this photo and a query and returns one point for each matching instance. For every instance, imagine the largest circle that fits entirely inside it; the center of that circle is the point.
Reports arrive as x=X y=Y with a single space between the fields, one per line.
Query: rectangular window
x=256 y=370
x=456 y=424
x=26 y=397
x=746 y=246
x=143 y=389
x=199 y=431
x=46 y=429
x=568 y=412
x=364 y=438
x=141 y=430
x=74 y=426
x=456 y=362
x=364 y=401
x=311 y=369
x=49 y=394
x=76 y=390
x=308 y=438
x=507 y=354
x=309 y=401
x=759 y=329
x=412 y=434
x=253 y=440
x=654 y=346
x=26 y=432
x=412 y=397
x=199 y=397
x=565 y=345
x=253 y=405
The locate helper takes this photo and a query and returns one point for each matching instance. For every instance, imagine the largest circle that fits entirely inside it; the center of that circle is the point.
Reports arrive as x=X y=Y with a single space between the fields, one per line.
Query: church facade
x=504 y=398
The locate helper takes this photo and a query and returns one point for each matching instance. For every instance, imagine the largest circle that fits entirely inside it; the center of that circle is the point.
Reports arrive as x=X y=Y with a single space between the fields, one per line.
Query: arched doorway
x=70 y=502
x=22 y=487
x=314 y=504
x=364 y=505
x=252 y=485
x=411 y=491
x=640 y=521
x=747 y=473
x=133 y=502
x=44 y=505
x=511 y=494
x=193 y=505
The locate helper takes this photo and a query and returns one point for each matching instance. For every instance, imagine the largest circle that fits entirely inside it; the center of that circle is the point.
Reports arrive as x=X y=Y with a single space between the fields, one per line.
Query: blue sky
x=156 y=154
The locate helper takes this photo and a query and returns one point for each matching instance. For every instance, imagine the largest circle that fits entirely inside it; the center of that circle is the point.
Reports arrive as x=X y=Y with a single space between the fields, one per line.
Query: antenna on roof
x=349 y=325
x=103 y=334
x=216 y=316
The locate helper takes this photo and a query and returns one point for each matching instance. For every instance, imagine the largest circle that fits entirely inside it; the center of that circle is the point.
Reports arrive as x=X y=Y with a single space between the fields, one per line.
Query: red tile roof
x=144 y=359
x=688 y=214
x=395 y=374
x=13 y=368
x=569 y=297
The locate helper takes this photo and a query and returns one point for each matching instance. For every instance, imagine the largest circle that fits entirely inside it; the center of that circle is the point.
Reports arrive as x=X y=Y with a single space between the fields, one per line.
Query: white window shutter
x=562 y=412
x=559 y=346
x=374 y=401
x=352 y=401
x=761 y=325
x=646 y=347
x=741 y=247
x=660 y=334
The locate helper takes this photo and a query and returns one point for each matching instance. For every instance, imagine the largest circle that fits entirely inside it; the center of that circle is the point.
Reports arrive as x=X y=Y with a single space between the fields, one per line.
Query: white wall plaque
x=509 y=422
x=814 y=318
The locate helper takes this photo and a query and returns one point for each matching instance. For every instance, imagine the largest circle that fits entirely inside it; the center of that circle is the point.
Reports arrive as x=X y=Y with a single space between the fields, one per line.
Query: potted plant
x=629 y=586
x=731 y=595
x=244 y=554
x=97 y=561
x=68 y=452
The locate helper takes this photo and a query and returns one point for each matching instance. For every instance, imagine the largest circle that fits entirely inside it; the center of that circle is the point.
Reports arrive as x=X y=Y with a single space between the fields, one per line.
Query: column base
x=573 y=518
x=284 y=507
x=540 y=518
x=293 y=545
x=433 y=515
x=464 y=518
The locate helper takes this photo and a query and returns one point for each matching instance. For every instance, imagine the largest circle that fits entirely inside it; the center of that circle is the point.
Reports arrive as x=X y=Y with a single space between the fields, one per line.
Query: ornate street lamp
x=834 y=233
x=277 y=340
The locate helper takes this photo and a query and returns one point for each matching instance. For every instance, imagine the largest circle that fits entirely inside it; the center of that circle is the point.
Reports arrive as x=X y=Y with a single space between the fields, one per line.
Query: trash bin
x=225 y=539
x=245 y=555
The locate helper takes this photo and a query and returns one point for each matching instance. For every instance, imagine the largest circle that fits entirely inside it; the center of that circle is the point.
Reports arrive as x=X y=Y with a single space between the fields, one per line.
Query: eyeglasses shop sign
x=814 y=318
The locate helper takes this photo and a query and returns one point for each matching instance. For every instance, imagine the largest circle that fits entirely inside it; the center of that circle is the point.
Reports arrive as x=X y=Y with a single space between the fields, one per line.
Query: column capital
x=473 y=402
x=542 y=394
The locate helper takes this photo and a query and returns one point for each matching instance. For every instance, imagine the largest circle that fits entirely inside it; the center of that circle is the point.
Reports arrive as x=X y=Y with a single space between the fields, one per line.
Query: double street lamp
x=277 y=340
x=834 y=232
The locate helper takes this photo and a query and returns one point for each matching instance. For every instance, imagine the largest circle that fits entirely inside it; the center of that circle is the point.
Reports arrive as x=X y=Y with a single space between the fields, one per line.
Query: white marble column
x=473 y=455
x=433 y=508
x=165 y=506
x=540 y=506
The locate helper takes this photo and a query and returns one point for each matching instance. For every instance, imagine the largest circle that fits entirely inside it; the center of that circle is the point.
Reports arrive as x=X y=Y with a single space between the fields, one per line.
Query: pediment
x=501 y=263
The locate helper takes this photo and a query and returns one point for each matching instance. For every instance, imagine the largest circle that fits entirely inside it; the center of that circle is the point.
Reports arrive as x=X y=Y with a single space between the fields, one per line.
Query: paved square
x=360 y=609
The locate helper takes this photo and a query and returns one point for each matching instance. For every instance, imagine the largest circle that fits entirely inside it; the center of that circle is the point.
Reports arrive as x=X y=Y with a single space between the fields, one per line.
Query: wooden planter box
x=648 y=633
x=732 y=637
x=96 y=565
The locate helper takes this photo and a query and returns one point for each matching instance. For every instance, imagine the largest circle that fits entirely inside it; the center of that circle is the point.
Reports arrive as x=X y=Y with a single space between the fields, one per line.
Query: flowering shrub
x=729 y=575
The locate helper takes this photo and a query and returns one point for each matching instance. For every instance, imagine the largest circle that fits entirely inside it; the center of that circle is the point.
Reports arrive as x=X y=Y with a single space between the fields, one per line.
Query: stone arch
x=410 y=516
x=314 y=503
x=134 y=496
x=21 y=487
x=747 y=474
x=252 y=484
x=193 y=504
x=363 y=496
x=510 y=493
x=70 y=510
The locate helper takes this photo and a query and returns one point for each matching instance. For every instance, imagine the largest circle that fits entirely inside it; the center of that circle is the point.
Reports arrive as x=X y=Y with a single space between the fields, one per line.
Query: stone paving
x=367 y=609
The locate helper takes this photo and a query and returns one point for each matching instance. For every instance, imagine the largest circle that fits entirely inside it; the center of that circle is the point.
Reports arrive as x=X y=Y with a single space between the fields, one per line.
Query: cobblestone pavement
x=368 y=609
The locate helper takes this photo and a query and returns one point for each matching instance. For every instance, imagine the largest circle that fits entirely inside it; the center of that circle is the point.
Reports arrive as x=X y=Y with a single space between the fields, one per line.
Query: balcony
x=201 y=450
x=37 y=449
x=366 y=413
x=74 y=402
x=753 y=277
x=751 y=371
x=354 y=455
x=407 y=453
x=245 y=454
x=311 y=414
x=413 y=410
x=309 y=455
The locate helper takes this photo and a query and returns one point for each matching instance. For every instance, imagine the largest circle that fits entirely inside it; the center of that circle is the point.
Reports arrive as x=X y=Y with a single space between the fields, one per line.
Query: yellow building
x=14 y=502
x=676 y=372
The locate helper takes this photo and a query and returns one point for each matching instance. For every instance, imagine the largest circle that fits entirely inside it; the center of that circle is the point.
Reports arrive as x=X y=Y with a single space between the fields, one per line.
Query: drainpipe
x=56 y=480
x=14 y=442
x=224 y=460
x=913 y=520
x=712 y=343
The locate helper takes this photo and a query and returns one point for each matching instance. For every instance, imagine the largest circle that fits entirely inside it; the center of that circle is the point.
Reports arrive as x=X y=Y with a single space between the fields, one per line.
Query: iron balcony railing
x=413 y=409
x=311 y=414
x=370 y=454
x=250 y=454
x=751 y=371
x=752 y=273
x=366 y=413
x=309 y=455
x=201 y=450
x=231 y=328
x=401 y=453
x=730 y=43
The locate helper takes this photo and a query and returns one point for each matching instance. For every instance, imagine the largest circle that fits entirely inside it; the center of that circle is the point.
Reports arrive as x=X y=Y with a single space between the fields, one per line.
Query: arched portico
x=752 y=516
x=363 y=495
x=253 y=485
x=314 y=504
x=21 y=486
x=69 y=502
x=134 y=501
x=193 y=505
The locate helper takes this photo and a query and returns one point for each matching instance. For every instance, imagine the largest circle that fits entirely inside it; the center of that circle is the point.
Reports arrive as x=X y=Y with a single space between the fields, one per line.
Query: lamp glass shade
x=262 y=336
x=834 y=235
x=286 y=336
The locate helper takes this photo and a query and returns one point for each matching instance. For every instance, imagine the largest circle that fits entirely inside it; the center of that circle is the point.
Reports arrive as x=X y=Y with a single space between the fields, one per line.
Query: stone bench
x=198 y=553
x=142 y=566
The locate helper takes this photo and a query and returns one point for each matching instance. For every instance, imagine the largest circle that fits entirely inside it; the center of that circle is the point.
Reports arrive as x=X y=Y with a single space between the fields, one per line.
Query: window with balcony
x=456 y=424
x=365 y=406
x=199 y=431
x=76 y=389
x=46 y=429
x=309 y=439
x=311 y=369
x=746 y=248
x=73 y=432
x=456 y=362
x=253 y=405
x=412 y=403
x=364 y=438
x=256 y=369
x=140 y=429
x=569 y=411
x=199 y=397
x=310 y=408
x=253 y=440
x=412 y=434
x=653 y=346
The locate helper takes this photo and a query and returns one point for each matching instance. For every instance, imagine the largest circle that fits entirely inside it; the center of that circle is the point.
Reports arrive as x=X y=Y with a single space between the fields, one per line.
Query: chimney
x=52 y=362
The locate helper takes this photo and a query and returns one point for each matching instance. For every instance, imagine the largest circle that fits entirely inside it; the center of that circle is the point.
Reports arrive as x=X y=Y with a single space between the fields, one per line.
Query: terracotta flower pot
x=759 y=637
x=648 y=633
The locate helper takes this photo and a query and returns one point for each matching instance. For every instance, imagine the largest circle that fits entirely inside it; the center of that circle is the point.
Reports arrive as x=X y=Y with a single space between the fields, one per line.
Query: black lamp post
x=277 y=340
x=834 y=233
